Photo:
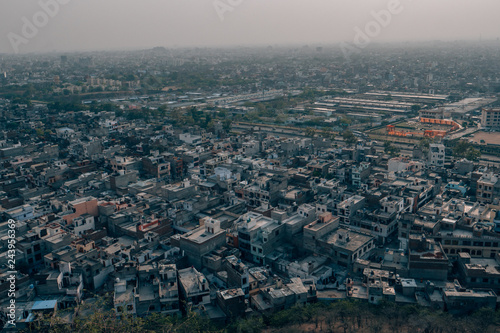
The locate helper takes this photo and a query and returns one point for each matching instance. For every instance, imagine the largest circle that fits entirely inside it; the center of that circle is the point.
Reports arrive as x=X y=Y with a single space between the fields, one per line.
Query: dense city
x=231 y=183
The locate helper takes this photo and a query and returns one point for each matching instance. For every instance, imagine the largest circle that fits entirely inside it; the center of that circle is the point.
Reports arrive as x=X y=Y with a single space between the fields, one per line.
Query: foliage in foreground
x=342 y=316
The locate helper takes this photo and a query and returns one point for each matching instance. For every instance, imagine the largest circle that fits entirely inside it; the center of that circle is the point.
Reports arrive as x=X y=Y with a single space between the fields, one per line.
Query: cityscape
x=306 y=188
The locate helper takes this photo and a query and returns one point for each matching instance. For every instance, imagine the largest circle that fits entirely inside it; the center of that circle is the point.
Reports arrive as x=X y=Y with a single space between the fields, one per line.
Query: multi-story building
x=194 y=288
x=258 y=235
x=490 y=118
x=168 y=289
x=124 y=298
x=156 y=166
x=488 y=188
x=232 y=302
x=202 y=241
x=347 y=208
x=237 y=274
x=83 y=223
x=265 y=190
x=325 y=224
x=345 y=246
x=475 y=241
x=483 y=273
x=436 y=155
x=427 y=259
x=79 y=207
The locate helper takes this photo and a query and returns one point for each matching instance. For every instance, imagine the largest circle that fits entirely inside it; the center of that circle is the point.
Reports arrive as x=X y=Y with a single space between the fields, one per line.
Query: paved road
x=469 y=130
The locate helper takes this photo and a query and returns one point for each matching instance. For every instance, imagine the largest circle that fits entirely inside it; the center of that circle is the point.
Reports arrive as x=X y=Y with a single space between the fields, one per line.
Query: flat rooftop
x=200 y=235
x=191 y=279
x=356 y=240
x=231 y=293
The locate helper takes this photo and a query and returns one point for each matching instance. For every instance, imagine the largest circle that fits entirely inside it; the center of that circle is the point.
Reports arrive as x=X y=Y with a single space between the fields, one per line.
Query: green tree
x=310 y=132
x=349 y=137
x=226 y=125
x=424 y=144
x=464 y=149
x=390 y=149
x=416 y=108
x=40 y=132
x=473 y=154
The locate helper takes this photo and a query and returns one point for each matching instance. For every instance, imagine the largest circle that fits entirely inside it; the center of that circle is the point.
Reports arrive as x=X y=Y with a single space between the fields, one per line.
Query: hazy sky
x=132 y=24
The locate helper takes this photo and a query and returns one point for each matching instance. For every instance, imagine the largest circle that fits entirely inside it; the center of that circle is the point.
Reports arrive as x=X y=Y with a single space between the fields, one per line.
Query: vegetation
x=464 y=149
x=342 y=316
x=390 y=149
x=349 y=137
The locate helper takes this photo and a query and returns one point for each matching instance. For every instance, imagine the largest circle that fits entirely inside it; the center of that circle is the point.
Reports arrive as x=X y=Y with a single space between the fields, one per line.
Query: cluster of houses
x=171 y=220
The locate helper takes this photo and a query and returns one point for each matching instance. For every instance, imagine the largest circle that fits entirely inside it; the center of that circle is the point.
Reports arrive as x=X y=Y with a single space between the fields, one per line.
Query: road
x=469 y=130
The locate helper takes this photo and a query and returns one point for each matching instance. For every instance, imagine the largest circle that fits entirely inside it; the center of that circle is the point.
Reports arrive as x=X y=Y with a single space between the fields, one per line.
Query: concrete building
x=124 y=298
x=488 y=188
x=83 y=223
x=202 y=241
x=258 y=235
x=325 y=224
x=481 y=273
x=237 y=274
x=347 y=208
x=436 y=155
x=460 y=301
x=79 y=207
x=475 y=241
x=194 y=288
x=345 y=246
x=490 y=118
x=427 y=259
x=232 y=302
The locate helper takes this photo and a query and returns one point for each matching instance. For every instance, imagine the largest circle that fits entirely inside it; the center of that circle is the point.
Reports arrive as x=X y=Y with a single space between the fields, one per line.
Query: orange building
x=78 y=207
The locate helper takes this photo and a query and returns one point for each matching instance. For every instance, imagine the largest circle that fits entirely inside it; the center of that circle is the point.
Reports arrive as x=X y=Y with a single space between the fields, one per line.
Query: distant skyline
x=130 y=24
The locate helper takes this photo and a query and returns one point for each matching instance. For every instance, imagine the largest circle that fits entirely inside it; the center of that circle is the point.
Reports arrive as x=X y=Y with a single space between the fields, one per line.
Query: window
x=36 y=247
x=29 y=251
x=130 y=307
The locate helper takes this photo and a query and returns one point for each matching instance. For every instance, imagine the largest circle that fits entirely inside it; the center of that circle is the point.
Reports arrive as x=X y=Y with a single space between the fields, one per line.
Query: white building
x=436 y=154
x=83 y=223
x=490 y=118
